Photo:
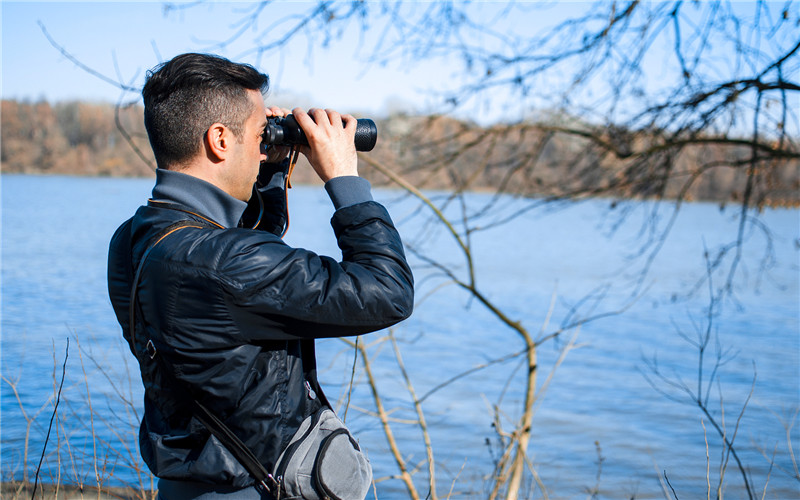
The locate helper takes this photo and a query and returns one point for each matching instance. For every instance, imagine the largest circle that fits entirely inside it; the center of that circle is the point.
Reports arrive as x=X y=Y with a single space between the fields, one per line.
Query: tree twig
x=52 y=417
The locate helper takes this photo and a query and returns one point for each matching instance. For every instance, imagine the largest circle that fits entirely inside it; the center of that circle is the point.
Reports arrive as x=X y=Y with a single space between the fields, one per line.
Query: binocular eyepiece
x=287 y=132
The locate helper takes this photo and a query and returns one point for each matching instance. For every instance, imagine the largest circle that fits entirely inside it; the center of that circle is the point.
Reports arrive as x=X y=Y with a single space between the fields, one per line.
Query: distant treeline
x=73 y=138
x=82 y=138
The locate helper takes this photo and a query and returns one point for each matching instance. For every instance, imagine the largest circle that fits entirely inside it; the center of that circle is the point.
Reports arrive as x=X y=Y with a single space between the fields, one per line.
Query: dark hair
x=183 y=97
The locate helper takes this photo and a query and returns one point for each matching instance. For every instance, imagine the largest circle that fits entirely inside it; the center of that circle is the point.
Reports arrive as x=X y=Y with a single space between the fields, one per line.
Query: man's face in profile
x=243 y=167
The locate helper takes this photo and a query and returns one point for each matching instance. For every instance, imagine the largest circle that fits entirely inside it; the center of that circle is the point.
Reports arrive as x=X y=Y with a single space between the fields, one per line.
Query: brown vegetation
x=73 y=138
x=434 y=152
x=579 y=160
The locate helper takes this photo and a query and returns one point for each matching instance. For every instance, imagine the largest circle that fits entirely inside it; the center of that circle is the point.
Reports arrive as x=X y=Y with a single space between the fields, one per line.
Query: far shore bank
x=441 y=153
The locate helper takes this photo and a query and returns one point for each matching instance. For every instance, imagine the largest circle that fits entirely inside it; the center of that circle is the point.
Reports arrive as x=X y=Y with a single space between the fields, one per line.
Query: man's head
x=185 y=96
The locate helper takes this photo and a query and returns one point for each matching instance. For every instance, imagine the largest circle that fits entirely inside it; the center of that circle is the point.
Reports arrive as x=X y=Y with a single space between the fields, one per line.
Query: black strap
x=222 y=432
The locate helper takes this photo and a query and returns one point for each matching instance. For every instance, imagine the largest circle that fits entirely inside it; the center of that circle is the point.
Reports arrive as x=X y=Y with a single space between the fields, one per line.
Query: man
x=224 y=305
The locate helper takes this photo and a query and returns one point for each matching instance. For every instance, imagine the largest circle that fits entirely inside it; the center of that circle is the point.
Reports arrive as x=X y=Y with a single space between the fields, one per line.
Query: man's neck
x=199 y=195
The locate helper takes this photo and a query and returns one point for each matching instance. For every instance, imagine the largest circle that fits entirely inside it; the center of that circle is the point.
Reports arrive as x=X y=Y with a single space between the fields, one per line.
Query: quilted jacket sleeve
x=278 y=292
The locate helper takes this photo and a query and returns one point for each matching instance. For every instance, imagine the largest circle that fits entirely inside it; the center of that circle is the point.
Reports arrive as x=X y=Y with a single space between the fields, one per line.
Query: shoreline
x=482 y=190
x=12 y=490
x=773 y=204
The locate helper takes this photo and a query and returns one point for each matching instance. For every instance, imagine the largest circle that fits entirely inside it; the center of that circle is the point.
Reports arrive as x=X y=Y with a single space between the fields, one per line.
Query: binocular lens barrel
x=287 y=132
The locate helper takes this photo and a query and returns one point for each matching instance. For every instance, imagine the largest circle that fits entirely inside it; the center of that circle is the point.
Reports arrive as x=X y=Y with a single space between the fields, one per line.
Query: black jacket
x=234 y=313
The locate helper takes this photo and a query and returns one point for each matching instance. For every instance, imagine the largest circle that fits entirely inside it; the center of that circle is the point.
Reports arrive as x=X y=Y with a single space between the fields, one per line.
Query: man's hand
x=276 y=154
x=331 y=138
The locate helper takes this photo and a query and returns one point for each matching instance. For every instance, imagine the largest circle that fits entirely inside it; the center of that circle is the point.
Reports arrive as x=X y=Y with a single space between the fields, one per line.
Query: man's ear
x=218 y=142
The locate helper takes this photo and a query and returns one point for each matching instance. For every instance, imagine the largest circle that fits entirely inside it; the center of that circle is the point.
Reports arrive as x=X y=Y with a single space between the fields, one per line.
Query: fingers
x=274 y=153
x=277 y=111
x=326 y=125
x=350 y=121
x=324 y=118
x=331 y=139
x=329 y=117
x=303 y=119
x=338 y=120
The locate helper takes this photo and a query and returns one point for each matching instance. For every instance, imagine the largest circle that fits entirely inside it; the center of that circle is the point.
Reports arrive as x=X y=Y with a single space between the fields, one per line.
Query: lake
x=607 y=423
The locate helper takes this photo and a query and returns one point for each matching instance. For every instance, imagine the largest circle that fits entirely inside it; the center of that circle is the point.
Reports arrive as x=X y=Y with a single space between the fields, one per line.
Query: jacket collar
x=198 y=195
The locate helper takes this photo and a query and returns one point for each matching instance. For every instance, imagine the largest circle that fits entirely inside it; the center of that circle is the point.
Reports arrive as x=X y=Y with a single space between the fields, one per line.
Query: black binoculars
x=287 y=132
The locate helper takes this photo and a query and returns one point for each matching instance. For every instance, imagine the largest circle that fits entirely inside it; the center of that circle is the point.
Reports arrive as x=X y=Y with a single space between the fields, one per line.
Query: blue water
x=547 y=267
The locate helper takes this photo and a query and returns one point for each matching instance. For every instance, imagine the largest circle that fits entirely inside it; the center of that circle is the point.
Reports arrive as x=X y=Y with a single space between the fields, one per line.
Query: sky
x=122 y=40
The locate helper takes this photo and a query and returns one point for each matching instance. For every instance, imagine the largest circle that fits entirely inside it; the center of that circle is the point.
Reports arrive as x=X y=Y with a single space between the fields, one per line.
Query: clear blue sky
x=124 y=39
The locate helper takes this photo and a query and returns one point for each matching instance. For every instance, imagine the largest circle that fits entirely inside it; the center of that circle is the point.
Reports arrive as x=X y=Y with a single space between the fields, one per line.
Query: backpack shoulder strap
x=132 y=306
x=222 y=432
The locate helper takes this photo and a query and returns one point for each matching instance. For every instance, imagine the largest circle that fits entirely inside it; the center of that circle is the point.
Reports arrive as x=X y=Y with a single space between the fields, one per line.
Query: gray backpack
x=323 y=461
